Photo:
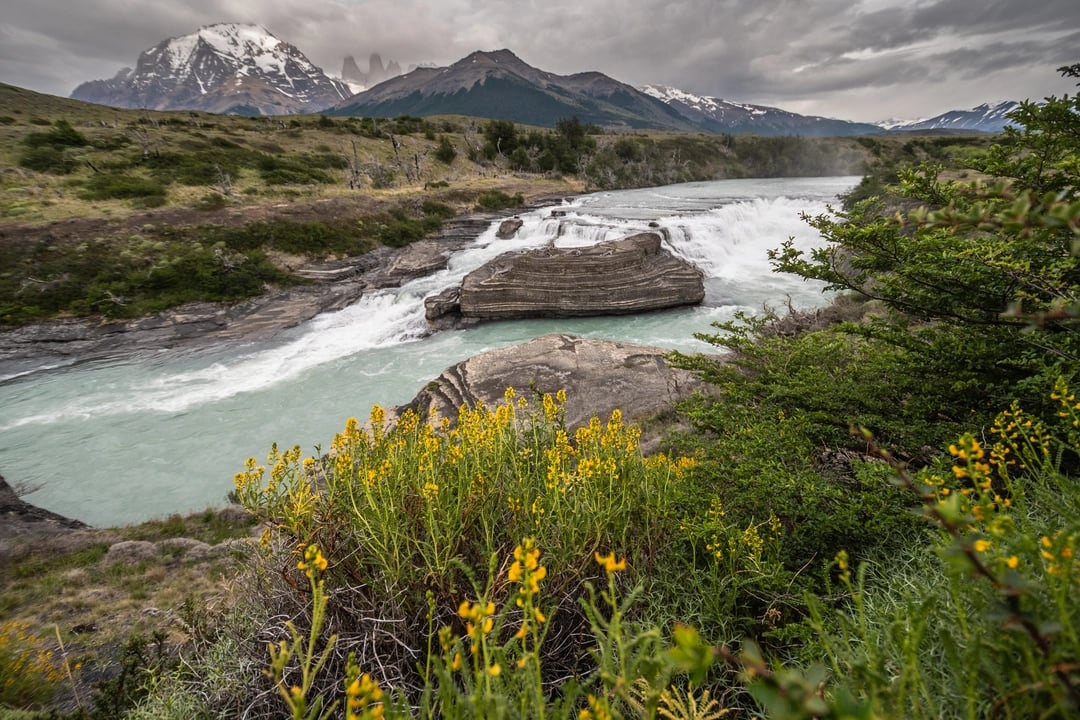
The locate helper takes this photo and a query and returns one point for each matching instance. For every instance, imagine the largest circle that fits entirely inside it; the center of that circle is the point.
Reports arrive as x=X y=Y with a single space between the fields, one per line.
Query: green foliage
x=48 y=159
x=774 y=441
x=561 y=151
x=970 y=268
x=275 y=170
x=48 y=151
x=62 y=135
x=437 y=209
x=144 y=277
x=445 y=152
x=400 y=227
x=310 y=238
x=498 y=200
x=118 y=186
x=141 y=659
x=984 y=622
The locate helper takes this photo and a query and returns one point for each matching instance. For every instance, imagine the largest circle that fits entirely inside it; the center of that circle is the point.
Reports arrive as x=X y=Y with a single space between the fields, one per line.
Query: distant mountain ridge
x=724 y=116
x=500 y=85
x=983 y=118
x=245 y=69
x=222 y=68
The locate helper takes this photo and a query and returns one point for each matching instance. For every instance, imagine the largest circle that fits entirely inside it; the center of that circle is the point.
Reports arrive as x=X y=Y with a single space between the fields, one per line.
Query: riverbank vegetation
x=874 y=512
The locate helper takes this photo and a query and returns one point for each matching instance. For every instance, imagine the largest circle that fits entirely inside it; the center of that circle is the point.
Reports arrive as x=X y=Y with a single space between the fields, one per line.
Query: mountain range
x=244 y=69
x=500 y=85
x=984 y=118
x=725 y=116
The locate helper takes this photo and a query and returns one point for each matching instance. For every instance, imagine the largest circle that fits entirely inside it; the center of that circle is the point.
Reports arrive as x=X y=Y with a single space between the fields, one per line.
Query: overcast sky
x=854 y=59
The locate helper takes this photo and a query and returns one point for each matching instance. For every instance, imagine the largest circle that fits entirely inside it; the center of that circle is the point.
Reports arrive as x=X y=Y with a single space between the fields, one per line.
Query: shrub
x=114 y=186
x=420 y=509
x=446 y=152
x=498 y=200
x=399 y=233
x=276 y=170
x=48 y=159
x=211 y=201
x=437 y=209
x=62 y=135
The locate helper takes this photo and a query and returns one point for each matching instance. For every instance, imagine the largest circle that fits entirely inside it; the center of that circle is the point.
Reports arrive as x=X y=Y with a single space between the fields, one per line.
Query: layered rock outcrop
x=597 y=375
x=619 y=277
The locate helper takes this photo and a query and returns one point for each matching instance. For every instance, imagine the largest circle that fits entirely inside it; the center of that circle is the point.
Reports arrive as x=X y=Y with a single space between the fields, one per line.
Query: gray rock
x=131 y=552
x=24 y=524
x=508 y=228
x=417 y=260
x=597 y=375
x=448 y=302
x=620 y=277
x=186 y=548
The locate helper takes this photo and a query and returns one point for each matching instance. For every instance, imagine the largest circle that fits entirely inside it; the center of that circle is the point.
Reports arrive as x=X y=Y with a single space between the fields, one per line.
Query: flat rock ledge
x=620 y=277
x=597 y=375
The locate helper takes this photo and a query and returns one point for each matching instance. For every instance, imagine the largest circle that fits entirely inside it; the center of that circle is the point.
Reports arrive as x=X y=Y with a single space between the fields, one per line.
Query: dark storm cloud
x=832 y=57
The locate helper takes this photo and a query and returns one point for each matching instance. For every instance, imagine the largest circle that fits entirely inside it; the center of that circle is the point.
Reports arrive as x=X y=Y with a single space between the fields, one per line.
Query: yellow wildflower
x=609 y=563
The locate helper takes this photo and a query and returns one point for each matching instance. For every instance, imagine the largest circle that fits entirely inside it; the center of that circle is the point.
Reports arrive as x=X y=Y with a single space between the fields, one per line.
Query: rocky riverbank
x=334 y=285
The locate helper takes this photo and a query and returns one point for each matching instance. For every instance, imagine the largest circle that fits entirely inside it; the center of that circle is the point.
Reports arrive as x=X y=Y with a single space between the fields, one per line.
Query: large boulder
x=620 y=277
x=597 y=375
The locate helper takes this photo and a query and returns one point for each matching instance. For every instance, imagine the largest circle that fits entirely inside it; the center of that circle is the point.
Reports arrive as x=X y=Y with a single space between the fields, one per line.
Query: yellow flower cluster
x=526 y=570
x=363 y=699
x=1059 y=554
x=480 y=621
x=314 y=562
x=1070 y=407
x=598 y=709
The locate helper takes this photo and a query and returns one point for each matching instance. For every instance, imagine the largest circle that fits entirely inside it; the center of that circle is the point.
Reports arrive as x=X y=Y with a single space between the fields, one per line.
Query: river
x=126 y=439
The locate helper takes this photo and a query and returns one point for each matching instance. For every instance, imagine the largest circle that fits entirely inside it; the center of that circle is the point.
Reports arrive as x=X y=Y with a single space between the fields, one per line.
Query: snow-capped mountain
x=984 y=118
x=223 y=68
x=725 y=116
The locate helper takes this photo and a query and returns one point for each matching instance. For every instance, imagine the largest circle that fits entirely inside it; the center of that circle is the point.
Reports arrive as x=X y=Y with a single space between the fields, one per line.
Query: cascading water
x=124 y=440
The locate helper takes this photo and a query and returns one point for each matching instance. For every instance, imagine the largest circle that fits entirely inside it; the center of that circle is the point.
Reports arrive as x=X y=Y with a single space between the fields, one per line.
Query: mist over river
x=126 y=439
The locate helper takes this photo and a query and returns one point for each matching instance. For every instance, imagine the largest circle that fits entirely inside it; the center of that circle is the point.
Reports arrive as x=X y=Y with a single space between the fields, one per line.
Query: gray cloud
x=864 y=60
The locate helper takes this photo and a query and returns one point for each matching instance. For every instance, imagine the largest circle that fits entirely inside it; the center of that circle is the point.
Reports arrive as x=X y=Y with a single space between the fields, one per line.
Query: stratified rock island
x=597 y=375
x=620 y=277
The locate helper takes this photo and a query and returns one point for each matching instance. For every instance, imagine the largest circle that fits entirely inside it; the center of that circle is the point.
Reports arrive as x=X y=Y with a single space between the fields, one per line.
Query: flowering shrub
x=408 y=516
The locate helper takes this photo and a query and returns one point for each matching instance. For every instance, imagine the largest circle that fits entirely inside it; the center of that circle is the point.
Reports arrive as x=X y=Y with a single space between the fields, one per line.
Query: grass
x=66 y=585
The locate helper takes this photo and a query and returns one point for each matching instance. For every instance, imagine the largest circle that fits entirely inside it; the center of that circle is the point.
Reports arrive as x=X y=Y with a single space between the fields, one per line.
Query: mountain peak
x=223 y=67
x=491 y=57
